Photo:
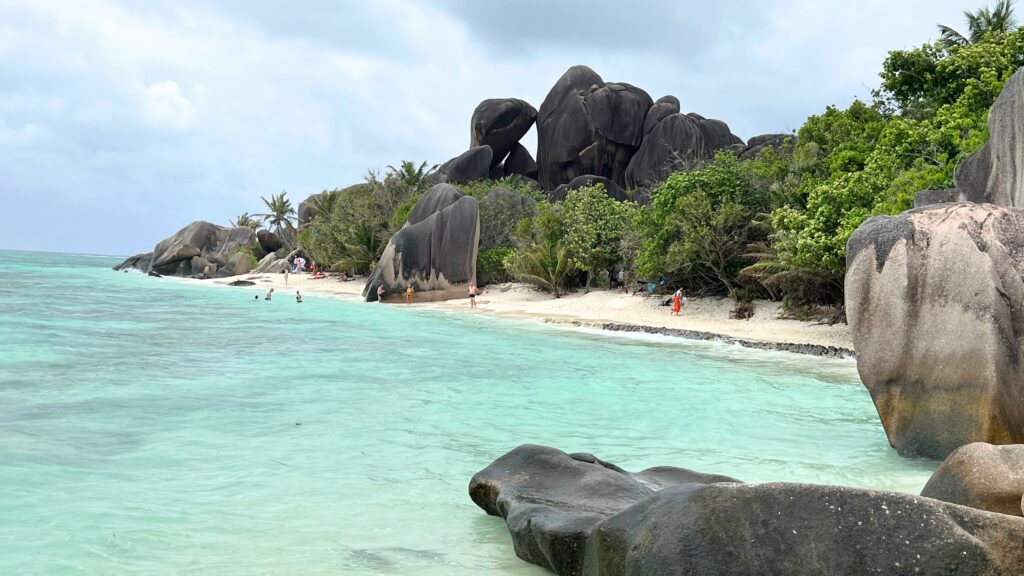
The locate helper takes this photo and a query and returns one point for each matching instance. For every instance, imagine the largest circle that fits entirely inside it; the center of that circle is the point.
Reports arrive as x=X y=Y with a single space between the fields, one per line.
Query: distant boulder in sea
x=935 y=301
x=434 y=252
x=208 y=243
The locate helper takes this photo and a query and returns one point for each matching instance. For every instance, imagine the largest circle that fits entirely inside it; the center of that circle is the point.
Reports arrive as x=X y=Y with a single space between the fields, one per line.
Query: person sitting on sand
x=269 y=294
x=380 y=293
x=298 y=297
x=408 y=294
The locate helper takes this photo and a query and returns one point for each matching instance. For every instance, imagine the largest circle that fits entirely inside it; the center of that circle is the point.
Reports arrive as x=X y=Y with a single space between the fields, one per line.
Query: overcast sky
x=122 y=122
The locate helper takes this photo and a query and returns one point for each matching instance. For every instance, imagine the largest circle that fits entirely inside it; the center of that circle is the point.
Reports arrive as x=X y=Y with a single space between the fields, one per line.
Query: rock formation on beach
x=434 y=252
x=935 y=301
x=194 y=248
x=578 y=515
x=981 y=476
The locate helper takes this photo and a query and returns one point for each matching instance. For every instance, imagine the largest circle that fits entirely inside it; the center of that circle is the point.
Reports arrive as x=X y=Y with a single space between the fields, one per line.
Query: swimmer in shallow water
x=269 y=294
x=298 y=297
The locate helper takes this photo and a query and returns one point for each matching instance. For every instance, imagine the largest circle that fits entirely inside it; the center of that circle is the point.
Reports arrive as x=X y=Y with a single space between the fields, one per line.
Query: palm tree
x=279 y=215
x=323 y=203
x=409 y=174
x=546 y=265
x=998 y=19
x=244 y=220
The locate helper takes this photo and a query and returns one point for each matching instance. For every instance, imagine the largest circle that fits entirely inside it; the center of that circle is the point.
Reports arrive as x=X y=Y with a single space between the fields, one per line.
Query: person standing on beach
x=622 y=280
x=286 y=272
x=298 y=297
x=269 y=294
x=677 y=302
x=380 y=294
x=472 y=295
x=408 y=294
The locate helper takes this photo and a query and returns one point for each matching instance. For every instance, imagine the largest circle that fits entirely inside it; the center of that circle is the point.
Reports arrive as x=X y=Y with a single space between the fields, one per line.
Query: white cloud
x=164 y=106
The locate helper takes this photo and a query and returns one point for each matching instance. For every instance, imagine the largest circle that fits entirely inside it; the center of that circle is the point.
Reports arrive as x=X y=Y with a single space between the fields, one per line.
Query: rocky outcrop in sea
x=198 y=250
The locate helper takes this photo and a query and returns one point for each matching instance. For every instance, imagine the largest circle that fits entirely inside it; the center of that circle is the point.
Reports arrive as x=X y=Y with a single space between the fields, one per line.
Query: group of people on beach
x=474 y=291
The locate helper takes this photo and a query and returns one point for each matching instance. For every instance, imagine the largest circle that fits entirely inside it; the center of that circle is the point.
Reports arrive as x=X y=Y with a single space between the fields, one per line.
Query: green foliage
x=495 y=265
x=594 y=228
x=984 y=21
x=279 y=216
x=514 y=183
x=543 y=257
x=700 y=223
x=244 y=220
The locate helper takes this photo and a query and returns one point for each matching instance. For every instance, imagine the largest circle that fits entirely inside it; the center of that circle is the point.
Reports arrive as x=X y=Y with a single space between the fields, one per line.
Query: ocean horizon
x=155 y=425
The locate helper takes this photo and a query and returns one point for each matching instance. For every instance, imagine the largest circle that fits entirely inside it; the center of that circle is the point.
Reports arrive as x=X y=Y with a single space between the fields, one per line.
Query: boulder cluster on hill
x=597 y=131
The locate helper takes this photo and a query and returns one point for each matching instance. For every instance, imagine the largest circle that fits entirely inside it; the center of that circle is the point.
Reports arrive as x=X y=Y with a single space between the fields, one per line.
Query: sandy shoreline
x=703 y=318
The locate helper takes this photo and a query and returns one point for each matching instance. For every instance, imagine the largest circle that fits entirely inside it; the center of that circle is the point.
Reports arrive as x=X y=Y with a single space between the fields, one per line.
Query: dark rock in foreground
x=801 y=530
x=935 y=301
x=434 y=252
x=552 y=501
x=578 y=515
x=981 y=476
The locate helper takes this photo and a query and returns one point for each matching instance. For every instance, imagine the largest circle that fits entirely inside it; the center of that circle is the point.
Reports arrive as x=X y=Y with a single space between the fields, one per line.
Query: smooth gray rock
x=470 y=166
x=929 y=197
x=800 y=530
x=981 y=476
x=435 y=254
x=520 y=162
x=140 y=262
x=612 y=189
x=717 y=135
x=756 y=144
x=663 y=108
x=564 y=128
x=551 y=501
x=500 y=123
x=238 y=263
x=995 y=174
x=173 y=256
x=269 y=242
x=675 y=141
x=934 y=300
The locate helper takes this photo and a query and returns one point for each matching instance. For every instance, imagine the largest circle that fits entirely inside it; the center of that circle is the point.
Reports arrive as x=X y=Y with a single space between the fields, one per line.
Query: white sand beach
x=594 y=309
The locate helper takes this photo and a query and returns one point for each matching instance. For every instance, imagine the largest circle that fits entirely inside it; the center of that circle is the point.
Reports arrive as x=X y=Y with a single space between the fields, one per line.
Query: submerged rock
x=578 y=515
x=981 y=476
x=551 y=501
x=935 y=301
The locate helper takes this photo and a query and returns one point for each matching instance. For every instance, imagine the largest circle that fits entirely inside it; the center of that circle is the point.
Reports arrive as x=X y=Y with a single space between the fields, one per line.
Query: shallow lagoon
x=164 y=426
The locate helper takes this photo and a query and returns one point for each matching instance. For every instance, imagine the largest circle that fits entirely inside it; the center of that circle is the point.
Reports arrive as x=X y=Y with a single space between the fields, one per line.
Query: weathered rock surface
x=801 y=530
x=578 y=515
x=500 y=123
x=663 y=108
x=612 y=189
x=210 y=243
x=434 y=252
x=520 y=162
x=677 y=139
x=269 y=242
x=981 y=476
x=552 y=501
x=138 y=262
x=995 y=174
x=756 y=144
x=934 y=299
x=587 y=126
x=472 y=165
x=929 y=197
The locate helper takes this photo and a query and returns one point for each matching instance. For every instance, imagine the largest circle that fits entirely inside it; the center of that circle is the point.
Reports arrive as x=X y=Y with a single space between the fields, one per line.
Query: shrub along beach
x=890 y=228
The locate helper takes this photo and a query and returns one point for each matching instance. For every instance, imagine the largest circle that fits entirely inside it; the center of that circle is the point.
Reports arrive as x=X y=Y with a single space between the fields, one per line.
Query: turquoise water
x=155 y=426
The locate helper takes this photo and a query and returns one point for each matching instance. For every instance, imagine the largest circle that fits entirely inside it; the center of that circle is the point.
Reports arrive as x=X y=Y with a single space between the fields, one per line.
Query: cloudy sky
x=120 y=122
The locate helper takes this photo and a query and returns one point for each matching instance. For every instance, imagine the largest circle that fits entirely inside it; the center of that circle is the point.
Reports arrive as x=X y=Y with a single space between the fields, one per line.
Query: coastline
x=702 y=319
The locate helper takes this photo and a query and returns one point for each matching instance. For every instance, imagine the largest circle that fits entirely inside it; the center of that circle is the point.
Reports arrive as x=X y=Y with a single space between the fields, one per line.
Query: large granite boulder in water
x=587 y=126
x=434 y=252
x=551 y=501
x=578 y=515
x=935 y=301
x=211 y=243
x=995 y=173
x=500 y=123
x=138 y=262
x=801 y=530
x=981 y=476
